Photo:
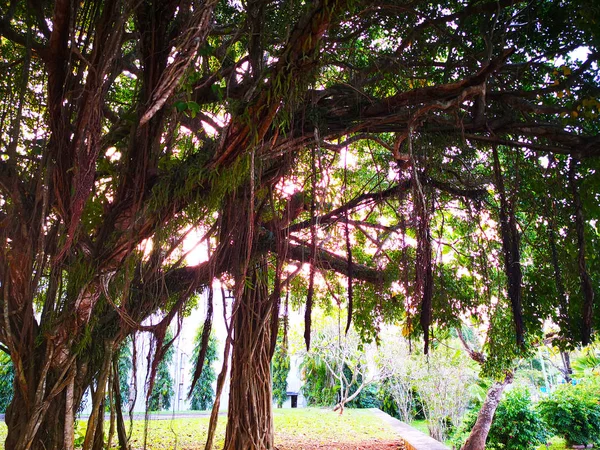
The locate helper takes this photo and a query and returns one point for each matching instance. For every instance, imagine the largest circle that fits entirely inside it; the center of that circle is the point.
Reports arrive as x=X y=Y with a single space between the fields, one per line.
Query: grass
x=556 y=443
x=325 y=426
x=420 y=425
x=291 y=425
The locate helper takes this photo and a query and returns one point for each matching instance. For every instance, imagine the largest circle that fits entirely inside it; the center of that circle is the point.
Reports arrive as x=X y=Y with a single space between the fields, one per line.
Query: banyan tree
x=421 y=161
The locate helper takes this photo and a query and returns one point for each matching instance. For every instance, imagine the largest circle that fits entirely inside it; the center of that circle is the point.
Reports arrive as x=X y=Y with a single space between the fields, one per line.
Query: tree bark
x=32 y=425
x=118 y=407
x=250 y=415
x=479 y=432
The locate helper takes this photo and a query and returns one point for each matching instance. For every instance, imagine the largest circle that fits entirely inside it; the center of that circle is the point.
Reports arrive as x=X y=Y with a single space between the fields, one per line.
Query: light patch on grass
x=325 y=426
x=165 y=434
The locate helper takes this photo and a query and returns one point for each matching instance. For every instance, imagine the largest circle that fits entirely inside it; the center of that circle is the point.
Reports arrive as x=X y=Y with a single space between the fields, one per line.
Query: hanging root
x=512 y=256
x=586 y=281
x=424 y=269
x=313 y=254
x=350 y=280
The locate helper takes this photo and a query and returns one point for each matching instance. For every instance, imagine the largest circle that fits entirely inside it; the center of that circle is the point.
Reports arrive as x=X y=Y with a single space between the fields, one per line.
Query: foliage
x=163 y=391
x=280 y=366
x=319 y=386
x=573 y=412
x=587 y=365
x=203 y=394
x=398 y=392
x=400 y=398
x=368 y=398
x=6 y=381
x=448 y=152
x=460 y=434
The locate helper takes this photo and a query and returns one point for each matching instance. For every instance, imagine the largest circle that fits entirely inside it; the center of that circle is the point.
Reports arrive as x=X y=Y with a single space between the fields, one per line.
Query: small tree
x=442 y=383
x=397 y=391
x=348 y=360
x=516 y=426
x=280 y=367
x=163 y=391
x=203 y=394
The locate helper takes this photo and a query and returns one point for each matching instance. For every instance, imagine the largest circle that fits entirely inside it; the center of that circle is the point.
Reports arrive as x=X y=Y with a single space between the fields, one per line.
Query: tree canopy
x=426 y=160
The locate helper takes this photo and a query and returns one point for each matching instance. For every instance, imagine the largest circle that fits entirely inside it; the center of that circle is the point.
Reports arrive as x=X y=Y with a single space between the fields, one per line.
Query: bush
x=367 y=398
x=517 y=425
x=573 y=412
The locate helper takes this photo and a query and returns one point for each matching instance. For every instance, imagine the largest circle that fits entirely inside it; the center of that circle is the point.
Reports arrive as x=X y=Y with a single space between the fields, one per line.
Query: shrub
x=367 y=398
x=573 y=412
x=517 y=425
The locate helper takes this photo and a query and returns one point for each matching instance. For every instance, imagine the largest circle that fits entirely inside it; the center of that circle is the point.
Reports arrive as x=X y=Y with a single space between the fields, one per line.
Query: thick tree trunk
x=33 y=425
x=479 y=432
x=250 y=415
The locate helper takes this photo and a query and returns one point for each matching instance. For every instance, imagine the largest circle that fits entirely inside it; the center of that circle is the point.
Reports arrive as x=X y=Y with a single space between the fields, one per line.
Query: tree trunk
x=118 y=406
x=33 y=425
x=479 y=433
x=250 y=415
x=567 y=370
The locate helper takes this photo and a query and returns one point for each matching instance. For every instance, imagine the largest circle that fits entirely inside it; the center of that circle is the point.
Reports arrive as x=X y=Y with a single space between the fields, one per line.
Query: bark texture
x=250 y=419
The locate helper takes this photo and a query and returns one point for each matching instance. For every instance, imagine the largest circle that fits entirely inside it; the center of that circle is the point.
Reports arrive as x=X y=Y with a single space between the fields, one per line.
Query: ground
x=312 y=428
x=295 y=429
x=368 y=444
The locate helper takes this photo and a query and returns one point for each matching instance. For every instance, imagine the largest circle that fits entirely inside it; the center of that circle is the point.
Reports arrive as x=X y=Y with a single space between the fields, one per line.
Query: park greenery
x=280 y=368
x=443 y=395
x=429 y=165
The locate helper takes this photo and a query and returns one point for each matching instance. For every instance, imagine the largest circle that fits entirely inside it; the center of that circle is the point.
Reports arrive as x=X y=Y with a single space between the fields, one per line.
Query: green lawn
x=556 y=443
x=420 y=425
x=291 y=425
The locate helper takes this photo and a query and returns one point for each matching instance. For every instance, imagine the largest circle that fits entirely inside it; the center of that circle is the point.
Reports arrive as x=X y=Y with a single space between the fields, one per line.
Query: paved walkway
x=414 y=439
